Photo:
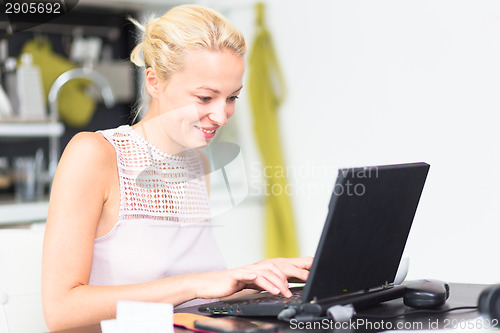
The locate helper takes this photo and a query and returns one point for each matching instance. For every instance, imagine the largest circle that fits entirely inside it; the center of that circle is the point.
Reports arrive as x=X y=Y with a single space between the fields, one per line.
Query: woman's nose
x=218 y=115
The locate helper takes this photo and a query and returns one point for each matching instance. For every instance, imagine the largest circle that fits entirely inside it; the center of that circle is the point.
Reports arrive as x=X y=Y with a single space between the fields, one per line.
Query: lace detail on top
x=161 y=196
x=156 y=186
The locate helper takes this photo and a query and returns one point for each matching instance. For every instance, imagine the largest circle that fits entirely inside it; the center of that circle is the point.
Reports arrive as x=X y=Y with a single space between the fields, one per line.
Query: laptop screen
x=370 y=214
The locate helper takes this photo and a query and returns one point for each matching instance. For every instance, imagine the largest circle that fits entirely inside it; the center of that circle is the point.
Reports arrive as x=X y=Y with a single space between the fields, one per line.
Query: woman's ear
x=152 y=82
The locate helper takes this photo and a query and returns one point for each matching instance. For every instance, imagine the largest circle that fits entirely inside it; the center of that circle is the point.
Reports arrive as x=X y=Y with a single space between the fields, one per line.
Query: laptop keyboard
x=276 y=299
x=256 y=301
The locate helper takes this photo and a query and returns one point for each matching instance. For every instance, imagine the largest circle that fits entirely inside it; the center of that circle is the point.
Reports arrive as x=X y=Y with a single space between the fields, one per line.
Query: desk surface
x=460 y=295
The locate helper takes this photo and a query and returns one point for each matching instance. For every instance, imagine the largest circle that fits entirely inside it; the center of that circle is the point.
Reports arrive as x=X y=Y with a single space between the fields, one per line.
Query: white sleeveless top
x=164 y=227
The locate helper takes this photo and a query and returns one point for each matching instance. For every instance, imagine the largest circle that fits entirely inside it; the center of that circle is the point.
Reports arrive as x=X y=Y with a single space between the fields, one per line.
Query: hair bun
x=166 y=39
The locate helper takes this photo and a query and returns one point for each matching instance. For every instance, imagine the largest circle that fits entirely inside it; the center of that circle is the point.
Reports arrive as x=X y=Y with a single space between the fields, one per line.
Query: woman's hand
x=295 y=269
x=271 y=275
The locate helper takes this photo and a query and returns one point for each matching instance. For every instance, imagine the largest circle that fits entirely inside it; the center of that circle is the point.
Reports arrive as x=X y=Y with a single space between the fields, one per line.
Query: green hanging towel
x=266 y=91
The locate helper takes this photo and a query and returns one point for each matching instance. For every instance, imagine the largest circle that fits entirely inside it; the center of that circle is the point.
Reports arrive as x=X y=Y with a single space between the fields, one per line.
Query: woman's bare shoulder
x=89 y=148
x=90 y=143
x=85 y=172
x=88 y=158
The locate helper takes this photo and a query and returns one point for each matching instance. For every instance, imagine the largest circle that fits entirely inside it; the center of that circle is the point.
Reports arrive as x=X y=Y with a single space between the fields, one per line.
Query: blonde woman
x=128 y=216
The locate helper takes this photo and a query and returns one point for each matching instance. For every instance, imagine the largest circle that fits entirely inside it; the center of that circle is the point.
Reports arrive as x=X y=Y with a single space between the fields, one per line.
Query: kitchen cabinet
x=11 y=211
x=24 y=129
x=23 y=138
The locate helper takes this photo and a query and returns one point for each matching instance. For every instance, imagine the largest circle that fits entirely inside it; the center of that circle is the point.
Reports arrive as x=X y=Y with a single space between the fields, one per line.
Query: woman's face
x=199 y=99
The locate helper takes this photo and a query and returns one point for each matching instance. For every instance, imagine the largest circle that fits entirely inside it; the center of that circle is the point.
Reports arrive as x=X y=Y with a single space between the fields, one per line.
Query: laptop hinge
x=386 y=285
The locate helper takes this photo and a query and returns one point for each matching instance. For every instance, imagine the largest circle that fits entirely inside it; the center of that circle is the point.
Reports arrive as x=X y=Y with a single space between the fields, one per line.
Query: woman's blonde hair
x=183 y=28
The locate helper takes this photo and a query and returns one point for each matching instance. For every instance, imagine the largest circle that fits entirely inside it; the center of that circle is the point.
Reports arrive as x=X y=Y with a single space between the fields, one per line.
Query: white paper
x=109 y=326
x=144 y=317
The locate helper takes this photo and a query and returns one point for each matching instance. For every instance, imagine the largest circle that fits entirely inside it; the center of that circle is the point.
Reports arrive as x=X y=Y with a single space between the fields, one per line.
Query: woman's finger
x=297 y=273
x=274 y=275
x=264 y=283
x=305 y=262
x=297 y=268
x=264 y=277
x=278 y=272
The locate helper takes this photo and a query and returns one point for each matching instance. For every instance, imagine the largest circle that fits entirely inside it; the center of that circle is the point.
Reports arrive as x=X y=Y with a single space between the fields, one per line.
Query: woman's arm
x=81 y=188
x=79 y=192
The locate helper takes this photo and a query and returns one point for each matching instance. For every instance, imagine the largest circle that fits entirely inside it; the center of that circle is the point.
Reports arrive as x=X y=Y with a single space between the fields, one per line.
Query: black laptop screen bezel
x=369 y=218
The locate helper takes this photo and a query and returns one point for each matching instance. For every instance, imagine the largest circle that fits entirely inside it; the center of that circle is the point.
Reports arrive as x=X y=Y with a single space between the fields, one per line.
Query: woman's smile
x=207 y=132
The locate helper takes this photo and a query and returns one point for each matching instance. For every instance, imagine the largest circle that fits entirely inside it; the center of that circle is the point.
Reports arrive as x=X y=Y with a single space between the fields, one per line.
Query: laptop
x=369 y=218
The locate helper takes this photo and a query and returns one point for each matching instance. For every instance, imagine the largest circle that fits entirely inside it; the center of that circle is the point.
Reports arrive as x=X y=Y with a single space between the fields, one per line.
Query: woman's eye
x=232 y=98
x=204 y=99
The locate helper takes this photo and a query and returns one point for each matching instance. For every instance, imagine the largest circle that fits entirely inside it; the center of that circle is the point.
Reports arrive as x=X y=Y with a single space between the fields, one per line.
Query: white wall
x=380 y=82
x=377 y=82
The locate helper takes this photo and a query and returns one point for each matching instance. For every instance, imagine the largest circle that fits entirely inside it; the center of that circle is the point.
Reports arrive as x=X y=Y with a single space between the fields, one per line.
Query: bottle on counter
x=10 y=82
x=30 y=89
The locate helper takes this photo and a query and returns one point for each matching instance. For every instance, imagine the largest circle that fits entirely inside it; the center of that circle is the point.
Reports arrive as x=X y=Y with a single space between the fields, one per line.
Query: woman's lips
x=207 y=132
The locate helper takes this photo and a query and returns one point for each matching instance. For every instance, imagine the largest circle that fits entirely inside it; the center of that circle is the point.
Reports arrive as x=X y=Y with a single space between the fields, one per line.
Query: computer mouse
x=426 y=294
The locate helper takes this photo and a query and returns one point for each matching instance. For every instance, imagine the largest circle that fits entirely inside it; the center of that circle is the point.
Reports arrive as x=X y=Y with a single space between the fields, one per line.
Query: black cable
x=427 y=311
x=368 y=316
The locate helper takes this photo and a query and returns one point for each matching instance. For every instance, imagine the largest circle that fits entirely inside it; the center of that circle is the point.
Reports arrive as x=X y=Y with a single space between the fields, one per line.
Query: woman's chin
x=200 y=143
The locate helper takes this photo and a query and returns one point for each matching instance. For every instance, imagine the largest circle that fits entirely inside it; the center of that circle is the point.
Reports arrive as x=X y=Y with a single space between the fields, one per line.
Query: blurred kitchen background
x=368 y=83
x=91 y=36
